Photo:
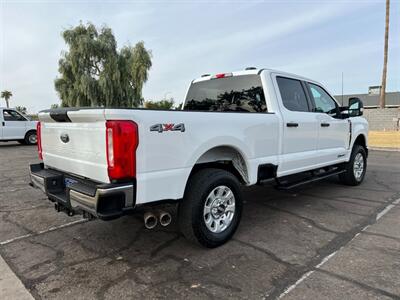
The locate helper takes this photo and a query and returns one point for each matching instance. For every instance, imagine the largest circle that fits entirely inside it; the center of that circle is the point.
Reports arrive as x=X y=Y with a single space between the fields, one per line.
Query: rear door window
x=293 y=94
x=231 y=94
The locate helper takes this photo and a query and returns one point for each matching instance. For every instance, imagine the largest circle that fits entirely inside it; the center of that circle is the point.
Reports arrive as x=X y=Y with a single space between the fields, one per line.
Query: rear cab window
x=242 y=93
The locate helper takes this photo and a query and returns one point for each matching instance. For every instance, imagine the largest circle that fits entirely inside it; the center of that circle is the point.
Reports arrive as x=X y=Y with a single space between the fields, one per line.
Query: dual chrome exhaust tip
x=151 y=220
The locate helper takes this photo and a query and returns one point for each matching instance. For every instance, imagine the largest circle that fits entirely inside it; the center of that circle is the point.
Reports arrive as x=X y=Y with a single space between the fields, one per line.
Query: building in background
x=374 y=90
x=378 y=119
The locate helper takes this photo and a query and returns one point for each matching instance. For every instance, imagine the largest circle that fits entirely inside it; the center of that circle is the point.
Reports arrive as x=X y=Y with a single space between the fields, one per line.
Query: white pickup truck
x=239 y=128
x=14 y=126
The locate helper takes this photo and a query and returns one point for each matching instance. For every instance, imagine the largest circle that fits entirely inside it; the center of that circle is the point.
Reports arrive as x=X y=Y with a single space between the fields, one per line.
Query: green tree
x=55 y=105
x=22 y=109
x=163 y=104
x=94 y=73
x=6 y=95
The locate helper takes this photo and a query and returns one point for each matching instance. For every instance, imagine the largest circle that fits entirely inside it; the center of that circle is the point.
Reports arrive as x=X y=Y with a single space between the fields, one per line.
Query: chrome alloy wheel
x=358 y=167
x=219 y=209
x=32 y=138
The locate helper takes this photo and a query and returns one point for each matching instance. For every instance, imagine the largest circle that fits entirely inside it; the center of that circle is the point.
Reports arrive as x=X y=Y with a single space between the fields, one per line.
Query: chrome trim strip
x=126 y=189
x=38 y=182
x=82 y=198
x=86 y=202
x=90 y=202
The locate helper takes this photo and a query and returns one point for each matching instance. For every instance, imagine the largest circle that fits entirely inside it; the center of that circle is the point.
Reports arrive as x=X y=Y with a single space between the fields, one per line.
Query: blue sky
x=316 y=39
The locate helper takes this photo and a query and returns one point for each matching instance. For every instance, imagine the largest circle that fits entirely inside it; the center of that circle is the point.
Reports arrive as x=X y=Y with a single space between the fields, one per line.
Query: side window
x=11 y=115
x=292 y=93
x=323 y=102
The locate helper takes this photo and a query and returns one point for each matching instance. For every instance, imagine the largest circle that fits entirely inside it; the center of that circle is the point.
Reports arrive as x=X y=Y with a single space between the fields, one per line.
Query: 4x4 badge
x=168 y=127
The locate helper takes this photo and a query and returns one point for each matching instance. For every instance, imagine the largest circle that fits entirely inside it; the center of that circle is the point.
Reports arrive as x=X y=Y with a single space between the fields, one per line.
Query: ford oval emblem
x=64 y=137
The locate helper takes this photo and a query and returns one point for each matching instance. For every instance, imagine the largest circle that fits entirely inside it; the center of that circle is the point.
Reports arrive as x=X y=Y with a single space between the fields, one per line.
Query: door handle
x=3 y=123
x=325 y=124
x=292 y=124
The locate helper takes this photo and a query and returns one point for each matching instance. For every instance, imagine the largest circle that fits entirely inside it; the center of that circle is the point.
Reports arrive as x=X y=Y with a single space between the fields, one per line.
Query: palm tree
x=21 y=109
x=382 y=100
x=6 y=95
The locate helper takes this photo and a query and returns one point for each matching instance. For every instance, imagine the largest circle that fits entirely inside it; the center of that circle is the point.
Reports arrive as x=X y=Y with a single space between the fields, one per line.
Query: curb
x=384 y=149
x=10 y=285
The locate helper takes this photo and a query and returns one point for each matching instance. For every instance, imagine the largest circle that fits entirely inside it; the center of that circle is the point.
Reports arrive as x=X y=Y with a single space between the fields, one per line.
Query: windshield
x=236 y=94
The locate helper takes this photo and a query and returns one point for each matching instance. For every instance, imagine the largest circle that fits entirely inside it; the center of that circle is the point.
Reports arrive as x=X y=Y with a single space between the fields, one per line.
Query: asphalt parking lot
x=323 y=241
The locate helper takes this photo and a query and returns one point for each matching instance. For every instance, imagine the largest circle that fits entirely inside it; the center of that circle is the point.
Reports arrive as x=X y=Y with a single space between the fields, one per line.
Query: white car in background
x=14 y=126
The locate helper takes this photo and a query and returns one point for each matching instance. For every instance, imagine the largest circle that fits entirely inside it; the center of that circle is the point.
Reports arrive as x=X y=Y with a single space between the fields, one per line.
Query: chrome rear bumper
x=72 y=194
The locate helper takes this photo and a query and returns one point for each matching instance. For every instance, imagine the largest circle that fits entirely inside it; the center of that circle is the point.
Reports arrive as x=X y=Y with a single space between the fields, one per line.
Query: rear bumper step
x=71 y=194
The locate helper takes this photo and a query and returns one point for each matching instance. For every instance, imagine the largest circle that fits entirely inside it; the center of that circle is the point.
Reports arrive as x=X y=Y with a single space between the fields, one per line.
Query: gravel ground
x=384 y=139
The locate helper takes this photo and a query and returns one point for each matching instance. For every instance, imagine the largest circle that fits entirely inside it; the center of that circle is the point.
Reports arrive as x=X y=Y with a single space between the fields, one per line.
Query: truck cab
x=15 y=126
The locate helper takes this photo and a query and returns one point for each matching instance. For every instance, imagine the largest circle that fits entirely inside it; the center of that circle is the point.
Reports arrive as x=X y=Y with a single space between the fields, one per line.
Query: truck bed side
x=164 y=159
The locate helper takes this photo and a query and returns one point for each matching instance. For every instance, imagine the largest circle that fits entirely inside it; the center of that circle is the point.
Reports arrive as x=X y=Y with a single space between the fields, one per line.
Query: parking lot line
x=43 y=231
x=387 y=209
x=379 y=215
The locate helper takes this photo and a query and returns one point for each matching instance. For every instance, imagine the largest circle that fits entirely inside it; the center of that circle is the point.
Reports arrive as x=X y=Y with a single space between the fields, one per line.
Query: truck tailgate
x=76 y=146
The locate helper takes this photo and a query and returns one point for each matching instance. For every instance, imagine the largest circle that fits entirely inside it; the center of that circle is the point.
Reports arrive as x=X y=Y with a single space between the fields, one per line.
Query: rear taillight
x=39 y=139
x=122 y=140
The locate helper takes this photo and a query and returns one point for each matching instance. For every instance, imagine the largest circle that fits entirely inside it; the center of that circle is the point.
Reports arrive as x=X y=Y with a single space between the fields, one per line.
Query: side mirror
x=356 y=107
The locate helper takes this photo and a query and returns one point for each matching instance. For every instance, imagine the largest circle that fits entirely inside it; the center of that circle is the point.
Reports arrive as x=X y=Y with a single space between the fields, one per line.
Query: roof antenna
x=342 y=88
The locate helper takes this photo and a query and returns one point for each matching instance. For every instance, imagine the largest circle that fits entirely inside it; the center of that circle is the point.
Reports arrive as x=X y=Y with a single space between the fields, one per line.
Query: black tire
x=349 y=177
x=22 y=142
x=28 y=138
x=190 y=214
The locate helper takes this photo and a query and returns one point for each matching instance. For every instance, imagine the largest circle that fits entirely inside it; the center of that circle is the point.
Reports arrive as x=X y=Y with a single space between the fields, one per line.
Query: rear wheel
x=31 y=138
x=211 y=209
x=356 y=167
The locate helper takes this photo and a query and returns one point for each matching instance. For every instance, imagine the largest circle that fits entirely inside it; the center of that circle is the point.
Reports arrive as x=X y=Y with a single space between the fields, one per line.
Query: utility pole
x=382 y=100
